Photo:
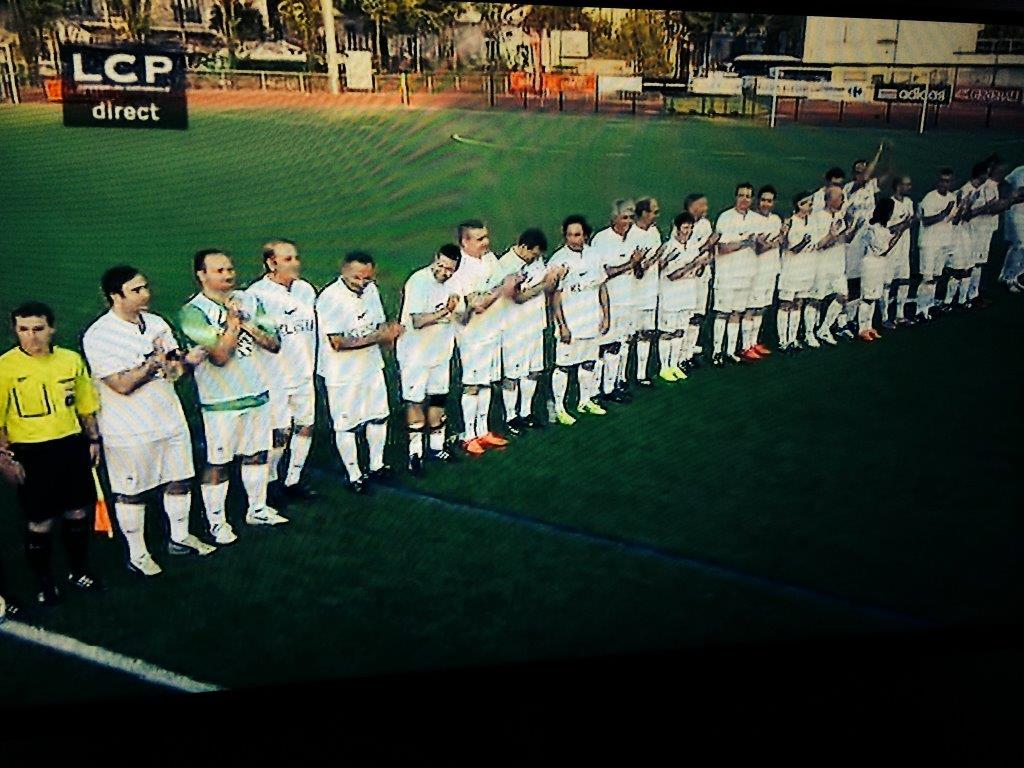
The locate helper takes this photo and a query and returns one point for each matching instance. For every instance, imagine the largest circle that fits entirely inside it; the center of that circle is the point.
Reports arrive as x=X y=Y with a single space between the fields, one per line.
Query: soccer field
x=852 y=490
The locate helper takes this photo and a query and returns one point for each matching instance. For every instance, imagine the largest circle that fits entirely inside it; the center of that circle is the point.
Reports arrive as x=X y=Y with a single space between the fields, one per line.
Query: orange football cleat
x=491 y=440
x=865 y=336
x=473 y=447
x=762 y=350
x=874 y=334
x=750 y=354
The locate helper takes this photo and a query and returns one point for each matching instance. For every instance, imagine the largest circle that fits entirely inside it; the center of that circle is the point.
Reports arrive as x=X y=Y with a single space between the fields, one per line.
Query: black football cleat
x=514 y=427
x=86 y=582
x=358 y=486
x=381 y=475
x=531 y=422
x=299 y=492
x=444 y=455
x=718 y=360
x=415 y=465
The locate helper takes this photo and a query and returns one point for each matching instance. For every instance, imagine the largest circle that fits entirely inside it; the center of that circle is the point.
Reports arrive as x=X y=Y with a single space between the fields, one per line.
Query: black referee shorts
x=58 y=477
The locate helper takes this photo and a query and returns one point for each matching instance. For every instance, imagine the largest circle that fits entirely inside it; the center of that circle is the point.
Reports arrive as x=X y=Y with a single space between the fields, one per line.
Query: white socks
x=415 y=439
x=973 y=289
x=131 y=518
x=665 y=345
x=719 y=330
x=610 y=372
x=436 y=438
x=273 y=460
x=214 y=498
x=349 y=452
x=620 y=375
x=782 y=323
x=469 y=402
x=376 y=435
x=643 y=352
x=925 y=297
x=527 y=388
x=483 y=407
x=732 y=332
x=831 y=315
x=559 y=384
x=587 y=380
x=865 y=310
x=810 y=319
x=509 y=396
x=299 y=449
x=690 y=336
x=176 y=507
x=902 y=293
x=965 y=289
x=254 y=480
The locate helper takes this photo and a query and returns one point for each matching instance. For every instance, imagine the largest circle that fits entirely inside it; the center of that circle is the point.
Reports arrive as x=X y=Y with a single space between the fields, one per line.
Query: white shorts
x=522 y=353
x=829 y=275
x=731 y=298
x=796 y=279
x=933 y=260
x=481 y=361
x=899 y=267
x=292 y=406
x=855 y=252
x=873 y=273
x=980 y=245
x=575 y=352
x=236 y=433
x=135 y=469
x=963 y=256
x=620 y=327
x=703 y=289
x=672 y=320
x=357 y=402
x=419 y=381
x=645 y=319
x=763 y=290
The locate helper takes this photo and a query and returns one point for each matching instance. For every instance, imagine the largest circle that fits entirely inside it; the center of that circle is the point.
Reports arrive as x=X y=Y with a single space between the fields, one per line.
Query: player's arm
x=546 y=285
x=262 y=329
x=219 y=345
x=424 y=319
x=87 y=403
x=941 y=216
x=384 y=333
x=602 y=296
x=559 y=313
x=127 y=381
x=654 y=254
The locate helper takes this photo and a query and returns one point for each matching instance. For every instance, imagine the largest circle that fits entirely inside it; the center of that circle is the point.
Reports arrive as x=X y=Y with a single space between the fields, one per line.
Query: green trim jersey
x=238 y=384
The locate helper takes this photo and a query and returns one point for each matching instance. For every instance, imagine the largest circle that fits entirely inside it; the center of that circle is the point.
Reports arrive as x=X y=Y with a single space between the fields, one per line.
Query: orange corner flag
x=102 y=523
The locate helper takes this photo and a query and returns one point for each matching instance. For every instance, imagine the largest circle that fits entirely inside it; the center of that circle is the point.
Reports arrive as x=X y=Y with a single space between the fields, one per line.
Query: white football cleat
x=190 y=545
x=812 y=341
x=265 y=516
x=222 y=533
x=145 y=565
x=826 y=336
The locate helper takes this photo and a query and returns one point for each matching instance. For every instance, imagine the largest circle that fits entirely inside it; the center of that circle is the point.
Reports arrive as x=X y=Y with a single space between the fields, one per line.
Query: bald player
x=902 y=219
x=831 y=231
x=647 y=239
x=796 y=277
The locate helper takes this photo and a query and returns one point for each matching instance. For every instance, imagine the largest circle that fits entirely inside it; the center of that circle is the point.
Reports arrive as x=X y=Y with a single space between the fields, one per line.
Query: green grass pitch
x=862 y=489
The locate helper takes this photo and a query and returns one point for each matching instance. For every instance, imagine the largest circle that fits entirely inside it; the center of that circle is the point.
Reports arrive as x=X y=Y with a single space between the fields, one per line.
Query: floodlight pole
x=331 y=40
x=775 y=96
x=924 y=103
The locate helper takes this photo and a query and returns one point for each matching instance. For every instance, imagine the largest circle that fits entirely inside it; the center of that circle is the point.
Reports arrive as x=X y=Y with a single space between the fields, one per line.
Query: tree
x=33 y=19
x=132 y=18
x=494 y=16
x=641 y=40
x=303 y=19
x=421 y=16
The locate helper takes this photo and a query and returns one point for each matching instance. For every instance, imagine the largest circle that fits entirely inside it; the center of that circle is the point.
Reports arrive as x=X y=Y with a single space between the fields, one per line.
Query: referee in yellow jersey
x=48 y=428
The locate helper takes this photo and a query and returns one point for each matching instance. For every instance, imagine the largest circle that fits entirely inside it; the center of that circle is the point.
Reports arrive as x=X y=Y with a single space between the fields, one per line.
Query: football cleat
x=903 y=322
x=512 y=428
x=190 y=545
x=530 y=422
x=734 y=358
x=381 y=474
x=750 y=354
x=667 y=374
x=874 y=334
x=492 y=440
x=223 y=533
x=563 y=417
x=889 y=325
x=623 y=393
x=762 y=350
x=299 y=492
x=8 y=609
x=473 y=447
x=589 y=406
x=846 y=333
x=86 y=582
x=865 y=336
x=718 y=360
x=811 y=341
x=826 y=336
x=679 y=372
x=416 y=465
x=358 y=486
x=644 y=383
x=443 y=455
x=922 y=317
x=265 y=516
x=145 y=566
x=48 y=594
x=616 y=397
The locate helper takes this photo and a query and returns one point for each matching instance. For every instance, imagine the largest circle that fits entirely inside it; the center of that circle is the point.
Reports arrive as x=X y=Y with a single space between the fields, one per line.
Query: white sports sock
x=864 y=314
x=758 y=319
x=177 y=507
x=690 y=336
x=643 y=352
x=585 y=379
x=678 y=349
x=376 y=436
x=747 y=332
x=719 y=330
x=272 y=461
x=131 y=518
x=349 y=453
x=620 y=374
x=436 y=439
x=527 y=388
x=810 y=319
x=665 y=350
x=214 y=499
x=965 y=289
x=732 y=332
x=468 y=416
x=782 y=325
x=598 y=374
x=925 y=297
x=975 y=286
x=298 y=447
x=831 y=314
x=951 y=285
x=483 y=408
x=885 y=301
x=902 y=294
x=509 y=398
x=416 y=440
x=254 y=480
x=559 y=384
x=609 y=372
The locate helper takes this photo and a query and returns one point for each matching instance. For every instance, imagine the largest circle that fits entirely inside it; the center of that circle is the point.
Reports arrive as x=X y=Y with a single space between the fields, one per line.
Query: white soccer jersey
x=478 y=276
x=238 y=380
x=797 y=229
x=901 y=211
x=819 y=224
x=985 y=224
x=292 y=309
x=680 y=294
x=646 y=288
x=861 y=202
x=769 y=226
x=580 y=289
x=613 y=250
x=940 y=234
x=876 y=240
x=530 y=315
x=152 y=412
x=734 y=226
x=342 y=311
x=433 y=344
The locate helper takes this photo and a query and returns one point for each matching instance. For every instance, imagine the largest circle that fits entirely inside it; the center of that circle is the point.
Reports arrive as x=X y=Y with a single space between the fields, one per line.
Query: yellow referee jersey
x=41 y=398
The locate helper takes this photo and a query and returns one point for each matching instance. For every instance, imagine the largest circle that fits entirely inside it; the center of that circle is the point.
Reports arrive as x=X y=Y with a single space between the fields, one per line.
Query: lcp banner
x=125 y=86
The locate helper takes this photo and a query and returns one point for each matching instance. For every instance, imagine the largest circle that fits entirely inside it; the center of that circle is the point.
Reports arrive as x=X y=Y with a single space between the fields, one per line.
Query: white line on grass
x=94 y=654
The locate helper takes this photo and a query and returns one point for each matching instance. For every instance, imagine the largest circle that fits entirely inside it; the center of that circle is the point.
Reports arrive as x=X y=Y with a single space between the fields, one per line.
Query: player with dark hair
x=580 y=306
x=352 y=329
x=935 y=242
x=681 y=259
x=705 y=237
x=834 y=177
x=831 y=231
x=860 y=194
x=234 y=399
x=734 y=272
x=767 y=264
x=424 y=353
x=49 y=433
x=289 y=302
x=1011 y=195
x=135 y=361
x=902 y=219
x=980 y=222
x=796 y=277
x=878 y=244
x=647 y=238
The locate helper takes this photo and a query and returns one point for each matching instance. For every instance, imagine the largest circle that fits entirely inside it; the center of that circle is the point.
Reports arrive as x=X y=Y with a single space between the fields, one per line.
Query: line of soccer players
x=838 y=263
